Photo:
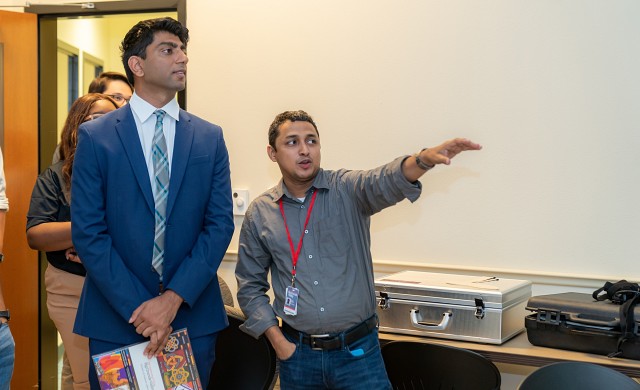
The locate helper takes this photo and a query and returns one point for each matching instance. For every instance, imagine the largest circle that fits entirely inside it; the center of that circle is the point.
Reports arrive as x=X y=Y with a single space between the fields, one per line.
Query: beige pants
x=66 y=377
x=63 y=296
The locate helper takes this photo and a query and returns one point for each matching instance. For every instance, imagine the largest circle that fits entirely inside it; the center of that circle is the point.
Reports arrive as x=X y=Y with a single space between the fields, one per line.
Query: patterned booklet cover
x=128 y=369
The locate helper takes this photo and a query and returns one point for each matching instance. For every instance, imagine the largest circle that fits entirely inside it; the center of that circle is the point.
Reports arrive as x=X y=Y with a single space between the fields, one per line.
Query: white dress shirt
x=143 y=113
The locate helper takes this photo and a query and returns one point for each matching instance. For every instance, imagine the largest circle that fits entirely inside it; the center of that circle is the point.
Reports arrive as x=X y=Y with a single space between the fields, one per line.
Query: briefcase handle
x=416 y=321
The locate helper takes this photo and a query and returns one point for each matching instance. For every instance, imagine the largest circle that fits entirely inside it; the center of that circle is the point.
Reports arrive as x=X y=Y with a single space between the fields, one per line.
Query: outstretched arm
x=430 y=157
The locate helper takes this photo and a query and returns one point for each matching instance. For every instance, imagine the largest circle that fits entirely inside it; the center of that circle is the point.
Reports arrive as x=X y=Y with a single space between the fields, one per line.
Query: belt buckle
x=312 y=340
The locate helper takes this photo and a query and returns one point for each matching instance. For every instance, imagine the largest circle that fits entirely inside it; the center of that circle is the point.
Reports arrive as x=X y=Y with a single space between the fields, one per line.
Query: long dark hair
x=69 y=139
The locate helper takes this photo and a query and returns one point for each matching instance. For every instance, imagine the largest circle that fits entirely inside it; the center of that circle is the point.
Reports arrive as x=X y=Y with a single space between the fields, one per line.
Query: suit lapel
x=128 y=133
x=181 y=151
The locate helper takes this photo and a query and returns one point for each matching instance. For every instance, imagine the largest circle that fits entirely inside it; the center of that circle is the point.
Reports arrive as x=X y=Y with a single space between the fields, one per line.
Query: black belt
x=333 y=340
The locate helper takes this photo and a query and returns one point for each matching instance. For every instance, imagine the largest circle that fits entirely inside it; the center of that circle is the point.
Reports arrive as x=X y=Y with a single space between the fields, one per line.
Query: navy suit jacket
x=113 y=225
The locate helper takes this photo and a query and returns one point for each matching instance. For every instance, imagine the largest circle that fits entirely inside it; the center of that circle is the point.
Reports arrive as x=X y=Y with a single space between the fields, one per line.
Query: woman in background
x=113 y=84
x=49 y=230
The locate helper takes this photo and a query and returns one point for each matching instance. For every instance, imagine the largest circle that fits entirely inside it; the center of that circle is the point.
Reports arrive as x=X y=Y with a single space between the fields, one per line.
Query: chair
x=227 y=296
x=242 y=362
x=577 y=376
x=416 y=365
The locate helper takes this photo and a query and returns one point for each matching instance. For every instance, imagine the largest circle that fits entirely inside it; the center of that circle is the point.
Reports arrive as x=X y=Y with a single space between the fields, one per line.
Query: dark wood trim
x=107 y=7
x=48 y=136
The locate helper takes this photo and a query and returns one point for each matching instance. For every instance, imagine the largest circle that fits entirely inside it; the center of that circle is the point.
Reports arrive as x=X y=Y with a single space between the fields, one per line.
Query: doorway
x=87 y=46
x=76 y=44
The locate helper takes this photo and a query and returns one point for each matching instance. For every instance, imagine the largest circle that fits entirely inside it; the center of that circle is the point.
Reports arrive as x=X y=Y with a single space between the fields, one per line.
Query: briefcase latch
x=479 y=308
x=383 y=301
x=552 y=317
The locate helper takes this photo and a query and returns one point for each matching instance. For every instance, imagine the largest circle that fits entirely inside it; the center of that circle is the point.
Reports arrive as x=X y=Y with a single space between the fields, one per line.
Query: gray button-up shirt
x=334 y=270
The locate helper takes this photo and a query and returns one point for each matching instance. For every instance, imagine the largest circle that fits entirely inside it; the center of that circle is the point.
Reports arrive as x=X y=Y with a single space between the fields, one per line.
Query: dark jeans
x=357 y=366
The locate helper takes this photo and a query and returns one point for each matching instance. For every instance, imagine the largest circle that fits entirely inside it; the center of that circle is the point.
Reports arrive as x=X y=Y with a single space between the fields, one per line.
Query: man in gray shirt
x=312 y=232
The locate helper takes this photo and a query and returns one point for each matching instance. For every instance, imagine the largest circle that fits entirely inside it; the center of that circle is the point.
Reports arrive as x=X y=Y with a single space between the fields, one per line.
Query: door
x=19 y=271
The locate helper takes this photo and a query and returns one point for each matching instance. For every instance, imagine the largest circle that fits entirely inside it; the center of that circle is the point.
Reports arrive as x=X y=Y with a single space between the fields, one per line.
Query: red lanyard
x=296 y=252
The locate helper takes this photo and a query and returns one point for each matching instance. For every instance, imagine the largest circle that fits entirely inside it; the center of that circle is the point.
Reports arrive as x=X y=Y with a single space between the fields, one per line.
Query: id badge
x=291 y=301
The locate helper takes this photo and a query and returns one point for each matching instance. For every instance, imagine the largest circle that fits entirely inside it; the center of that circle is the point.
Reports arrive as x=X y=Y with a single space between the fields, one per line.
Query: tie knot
x=159 y=114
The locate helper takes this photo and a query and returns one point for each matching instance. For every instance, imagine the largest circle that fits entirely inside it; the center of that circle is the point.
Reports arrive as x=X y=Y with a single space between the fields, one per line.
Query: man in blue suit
x=151 y=252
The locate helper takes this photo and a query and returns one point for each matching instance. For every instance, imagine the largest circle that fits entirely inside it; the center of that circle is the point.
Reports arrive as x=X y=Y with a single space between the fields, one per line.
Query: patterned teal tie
x=161 y=183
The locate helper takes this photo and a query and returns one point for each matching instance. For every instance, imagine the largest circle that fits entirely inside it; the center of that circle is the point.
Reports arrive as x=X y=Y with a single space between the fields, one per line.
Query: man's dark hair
x=293 y=116
x=141 y=35
x=99 y=84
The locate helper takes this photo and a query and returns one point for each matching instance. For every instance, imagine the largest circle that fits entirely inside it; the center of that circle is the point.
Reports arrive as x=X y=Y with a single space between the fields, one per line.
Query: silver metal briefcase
x=459 y=307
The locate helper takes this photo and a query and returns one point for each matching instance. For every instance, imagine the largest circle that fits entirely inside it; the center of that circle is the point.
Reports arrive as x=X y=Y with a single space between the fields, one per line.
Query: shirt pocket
x=332 y=237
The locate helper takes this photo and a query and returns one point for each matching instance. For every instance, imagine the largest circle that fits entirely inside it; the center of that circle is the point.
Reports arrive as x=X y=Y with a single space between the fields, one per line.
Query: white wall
x=88 y=35
x=550 y=88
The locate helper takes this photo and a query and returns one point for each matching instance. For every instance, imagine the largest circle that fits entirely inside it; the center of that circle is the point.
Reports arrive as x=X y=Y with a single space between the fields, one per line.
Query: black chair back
x=242 y=362
x=416 y=365
x=577 y=376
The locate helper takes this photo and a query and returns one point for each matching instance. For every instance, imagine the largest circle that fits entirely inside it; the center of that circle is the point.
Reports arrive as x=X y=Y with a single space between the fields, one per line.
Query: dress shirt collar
x=281 y=189
x=144 y=110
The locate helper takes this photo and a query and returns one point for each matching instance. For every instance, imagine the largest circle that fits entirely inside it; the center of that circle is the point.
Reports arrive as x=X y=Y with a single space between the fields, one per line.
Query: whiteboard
x=551 y=89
